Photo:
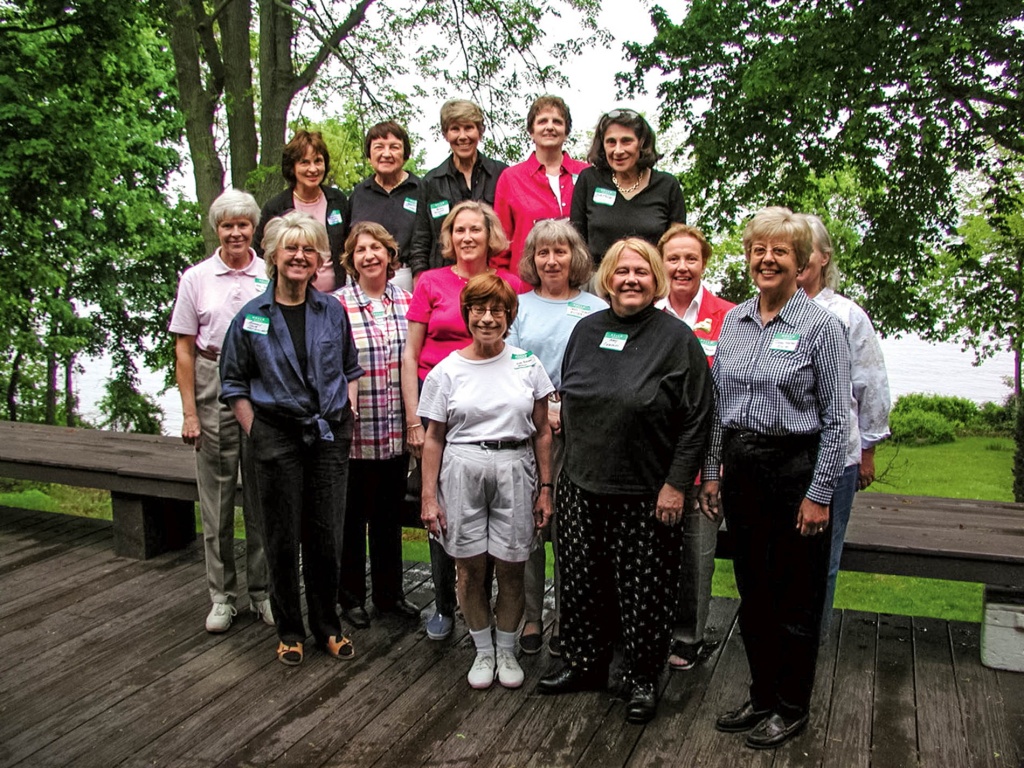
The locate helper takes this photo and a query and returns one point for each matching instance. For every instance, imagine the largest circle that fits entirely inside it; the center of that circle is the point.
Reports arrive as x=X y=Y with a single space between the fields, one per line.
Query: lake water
x=914 y=366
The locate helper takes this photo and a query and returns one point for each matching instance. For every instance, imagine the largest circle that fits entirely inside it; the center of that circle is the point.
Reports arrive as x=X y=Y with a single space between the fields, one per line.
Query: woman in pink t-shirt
x=471 y=234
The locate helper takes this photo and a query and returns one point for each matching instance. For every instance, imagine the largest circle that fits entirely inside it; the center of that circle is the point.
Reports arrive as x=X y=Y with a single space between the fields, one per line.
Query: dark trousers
x=780 y=574
x=376 y=490
x=619 y=566
x=302 y=481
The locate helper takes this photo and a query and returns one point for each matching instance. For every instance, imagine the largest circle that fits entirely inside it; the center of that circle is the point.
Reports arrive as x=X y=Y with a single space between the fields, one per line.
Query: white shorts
x=488 y=497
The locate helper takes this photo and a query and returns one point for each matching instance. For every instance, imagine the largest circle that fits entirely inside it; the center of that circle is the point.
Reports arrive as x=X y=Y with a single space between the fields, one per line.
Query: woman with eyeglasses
x=778 y=443
x=289 y=371
x=622 y=195
x=471 y=235
x=487 y=483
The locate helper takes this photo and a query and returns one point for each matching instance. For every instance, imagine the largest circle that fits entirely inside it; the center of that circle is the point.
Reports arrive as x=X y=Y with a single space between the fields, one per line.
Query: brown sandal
x=289 y=655
x=340 y=647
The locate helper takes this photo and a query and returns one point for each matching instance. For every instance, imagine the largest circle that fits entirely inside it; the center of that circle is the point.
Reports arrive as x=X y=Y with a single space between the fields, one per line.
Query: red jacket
x=709 y=320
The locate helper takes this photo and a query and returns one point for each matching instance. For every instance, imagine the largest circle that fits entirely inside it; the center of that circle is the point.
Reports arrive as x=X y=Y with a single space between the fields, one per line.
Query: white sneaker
x=220 y=617
x=510 y=674
x=481 y=674
x=261 y=609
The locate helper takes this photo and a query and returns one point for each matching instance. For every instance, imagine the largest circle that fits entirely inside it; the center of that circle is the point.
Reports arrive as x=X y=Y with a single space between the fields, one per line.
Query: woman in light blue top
x=556 y=263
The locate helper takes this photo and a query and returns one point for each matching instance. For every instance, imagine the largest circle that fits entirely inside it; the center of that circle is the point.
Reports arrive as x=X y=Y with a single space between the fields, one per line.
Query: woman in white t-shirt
x=486 y=470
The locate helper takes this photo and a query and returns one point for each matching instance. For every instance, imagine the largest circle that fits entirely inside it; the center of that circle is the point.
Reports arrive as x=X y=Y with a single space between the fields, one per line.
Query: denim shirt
x=258 y=361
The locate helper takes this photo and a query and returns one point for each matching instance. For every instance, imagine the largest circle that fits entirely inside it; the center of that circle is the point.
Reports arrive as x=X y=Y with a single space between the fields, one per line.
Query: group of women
x=534 y=406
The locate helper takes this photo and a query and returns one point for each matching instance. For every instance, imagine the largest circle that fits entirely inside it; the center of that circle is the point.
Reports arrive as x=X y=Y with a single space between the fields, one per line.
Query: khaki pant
x=222 y=448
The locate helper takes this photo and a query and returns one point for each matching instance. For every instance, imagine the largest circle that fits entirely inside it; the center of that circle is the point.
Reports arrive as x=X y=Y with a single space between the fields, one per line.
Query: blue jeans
x=839 y=517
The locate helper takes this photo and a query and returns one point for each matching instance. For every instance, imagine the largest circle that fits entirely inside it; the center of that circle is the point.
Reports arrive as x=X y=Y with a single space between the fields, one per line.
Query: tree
x=484 y=50
x=895 y=96
x=90 y=245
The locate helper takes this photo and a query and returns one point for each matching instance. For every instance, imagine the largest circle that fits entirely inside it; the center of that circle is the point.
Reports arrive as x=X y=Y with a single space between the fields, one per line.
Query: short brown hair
x=550 y=232
x=378 y=233
x=382 y=131
x=611 y=261
x=548 y=102
x=295 y=149
x=777 y=221
x=684 y=230
x=635 y=122
x=461 y=111
x=485 y=289
x=496 y=239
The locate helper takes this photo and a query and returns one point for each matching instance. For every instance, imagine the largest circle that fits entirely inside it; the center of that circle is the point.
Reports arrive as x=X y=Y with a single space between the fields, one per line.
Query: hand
x=670 y=505
x=555 y=420
x=710 y=500
x=812 y=518
x=434 y=518
x=867 y=469
x=191 y=432
x=542 y=509
x=414 y=437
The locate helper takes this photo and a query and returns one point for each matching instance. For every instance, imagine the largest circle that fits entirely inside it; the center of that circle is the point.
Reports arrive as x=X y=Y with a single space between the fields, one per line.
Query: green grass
x=970 y=468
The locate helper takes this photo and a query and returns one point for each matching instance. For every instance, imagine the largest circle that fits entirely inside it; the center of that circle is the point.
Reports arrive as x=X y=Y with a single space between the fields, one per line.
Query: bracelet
x=548 y=485
x=414 y=426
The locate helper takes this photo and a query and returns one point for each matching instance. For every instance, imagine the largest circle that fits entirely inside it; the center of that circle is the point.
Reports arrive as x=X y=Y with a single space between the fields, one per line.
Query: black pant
x=376 y=490
x=302 y=484
x=617 y=562
x=780 y=574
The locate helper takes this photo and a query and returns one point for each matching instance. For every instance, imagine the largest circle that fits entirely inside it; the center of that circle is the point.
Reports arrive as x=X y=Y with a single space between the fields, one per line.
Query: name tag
x=708 y=346
x=261 y=283
x=334 y=218
x=574 y=309
x=604 y=196
x=614 y=341
x=410 y=204
x=785 y=342
x=575 y=176
x=256 y=324
x=437 y=210
x=523 y=361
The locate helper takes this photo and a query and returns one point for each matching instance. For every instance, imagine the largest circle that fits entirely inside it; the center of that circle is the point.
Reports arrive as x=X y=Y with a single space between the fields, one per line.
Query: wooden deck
x=105 y=663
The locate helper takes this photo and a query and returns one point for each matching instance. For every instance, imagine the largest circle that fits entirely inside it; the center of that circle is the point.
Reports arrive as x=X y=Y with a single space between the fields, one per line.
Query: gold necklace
x=301 y=199
x=627 y=190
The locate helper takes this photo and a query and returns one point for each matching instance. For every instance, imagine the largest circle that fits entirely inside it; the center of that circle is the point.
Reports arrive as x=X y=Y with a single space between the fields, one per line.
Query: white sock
x=483 y=641
x=506 y=641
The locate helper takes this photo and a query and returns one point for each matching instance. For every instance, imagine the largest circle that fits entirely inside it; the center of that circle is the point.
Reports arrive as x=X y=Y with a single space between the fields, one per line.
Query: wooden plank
x=942 y=738
x=848 y=741
x=990 y=742
x=894 y=718
x=1011 y=692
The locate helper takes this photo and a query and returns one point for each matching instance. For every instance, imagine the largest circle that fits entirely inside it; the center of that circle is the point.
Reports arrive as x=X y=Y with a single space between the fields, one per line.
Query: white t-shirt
x=485 y=399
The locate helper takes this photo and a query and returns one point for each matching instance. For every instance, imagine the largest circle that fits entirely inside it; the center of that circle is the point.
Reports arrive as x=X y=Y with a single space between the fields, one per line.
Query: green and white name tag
x=708 y=346
x=615 y=341
x=575 y=178
x=604 y=196
x=256 y=324
x=261 y=283
x=575 y=309
x=437 y=210
x=410 y=204
x=334 y=218
x=785 y=342
x=523 y=361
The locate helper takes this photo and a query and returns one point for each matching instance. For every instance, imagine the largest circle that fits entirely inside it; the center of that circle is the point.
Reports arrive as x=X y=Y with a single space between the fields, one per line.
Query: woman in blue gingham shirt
x=782 y=395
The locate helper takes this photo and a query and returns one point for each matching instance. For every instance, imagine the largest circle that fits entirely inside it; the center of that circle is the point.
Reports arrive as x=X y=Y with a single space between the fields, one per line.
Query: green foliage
x=1018 y=456
x=128 y=410
x=960 y=411
x=919 y=427
x=965 y=469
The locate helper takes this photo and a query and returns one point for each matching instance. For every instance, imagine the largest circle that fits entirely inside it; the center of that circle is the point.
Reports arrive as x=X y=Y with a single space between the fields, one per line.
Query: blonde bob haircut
x=778 y=223
x=289 y=230
x=822 y=242
x=487 y=290
x=378 y=233
x=461 y=111
x=684 y=230
x=556 y=232
x=496 y=240
x=610 y=262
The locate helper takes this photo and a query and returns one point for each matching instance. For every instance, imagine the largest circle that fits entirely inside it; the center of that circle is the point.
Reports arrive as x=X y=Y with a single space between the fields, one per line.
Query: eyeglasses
x=778 y=252
x=478 y=311
x=307 y=250
x=617 y=113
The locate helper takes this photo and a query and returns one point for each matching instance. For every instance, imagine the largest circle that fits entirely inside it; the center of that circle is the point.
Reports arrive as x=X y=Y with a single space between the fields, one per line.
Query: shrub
x=920 y=427
x=958 y=410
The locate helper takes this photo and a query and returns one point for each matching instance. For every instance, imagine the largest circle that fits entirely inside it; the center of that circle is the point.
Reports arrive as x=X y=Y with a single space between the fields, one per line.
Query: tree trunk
x=235 y=21
x=70 y=401
x=12 y=387
x=51 y=388
x=277 y=88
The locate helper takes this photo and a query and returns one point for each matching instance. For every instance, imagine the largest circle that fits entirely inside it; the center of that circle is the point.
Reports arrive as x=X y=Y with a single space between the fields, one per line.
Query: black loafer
x=743 y=718
x=643 y=705
x=531 y=644
x=569 y=680
x=402 y=608
x=357 y=617
x=774 y=731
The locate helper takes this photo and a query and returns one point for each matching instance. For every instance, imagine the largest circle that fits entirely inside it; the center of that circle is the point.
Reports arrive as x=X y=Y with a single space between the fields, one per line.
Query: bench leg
x=145 y=526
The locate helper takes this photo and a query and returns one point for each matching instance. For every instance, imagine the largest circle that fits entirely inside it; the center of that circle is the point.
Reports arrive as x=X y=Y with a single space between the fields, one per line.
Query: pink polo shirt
x=210 y=295
x=524 y=196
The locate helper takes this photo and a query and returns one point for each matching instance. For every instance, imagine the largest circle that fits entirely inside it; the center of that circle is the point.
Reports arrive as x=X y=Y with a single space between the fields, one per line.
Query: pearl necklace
x=627 y=190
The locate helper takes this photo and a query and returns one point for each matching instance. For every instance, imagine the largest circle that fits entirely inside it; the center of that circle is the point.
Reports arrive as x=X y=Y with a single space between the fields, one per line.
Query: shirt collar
x=224 y=269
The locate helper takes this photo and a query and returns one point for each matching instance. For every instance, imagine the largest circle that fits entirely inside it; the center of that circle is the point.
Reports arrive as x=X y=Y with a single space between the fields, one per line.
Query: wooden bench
x=152 y=484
